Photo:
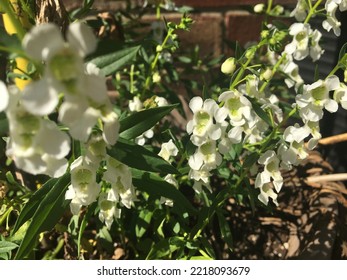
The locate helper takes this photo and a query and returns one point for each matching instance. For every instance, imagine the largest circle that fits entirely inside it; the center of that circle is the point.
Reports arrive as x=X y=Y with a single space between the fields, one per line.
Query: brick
x=206 y=32
x=242 y=26
x=226 y=3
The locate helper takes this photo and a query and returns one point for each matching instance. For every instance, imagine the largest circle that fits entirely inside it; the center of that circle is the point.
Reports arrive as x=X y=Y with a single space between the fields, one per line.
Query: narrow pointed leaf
x=140 y=158
x=47 y=214
x=33 y=203
x=110 y=63
x=140 y=122
x=154 y=185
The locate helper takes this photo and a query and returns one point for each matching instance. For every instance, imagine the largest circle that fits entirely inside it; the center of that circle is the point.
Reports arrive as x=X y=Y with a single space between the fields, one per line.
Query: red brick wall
x=215 y=21
x=226 y=3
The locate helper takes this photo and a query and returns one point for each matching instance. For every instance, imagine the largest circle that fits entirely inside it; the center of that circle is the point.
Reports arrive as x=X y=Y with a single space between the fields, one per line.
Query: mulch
x=310 y=222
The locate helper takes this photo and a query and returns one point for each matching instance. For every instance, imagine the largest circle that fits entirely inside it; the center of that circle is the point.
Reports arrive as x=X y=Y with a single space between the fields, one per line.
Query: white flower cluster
x=85 y=94
x=78 y=94
x=214 y=128
x=331 y=6
x=36 y=144
x=168 y=150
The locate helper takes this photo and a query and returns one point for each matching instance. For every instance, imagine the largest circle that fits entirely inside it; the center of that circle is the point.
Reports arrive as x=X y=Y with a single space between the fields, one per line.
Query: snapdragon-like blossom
x=300 y=11
x=202 y=126
x=305 y=42
x=36 y=145
x=83 y=189
x=108 y=209
x=340 y=95
x=270 y=176
x=331 y=22
x=168 y=149
x=120 y=178
x=316 y=98
x=293 y=151
x=84 y=88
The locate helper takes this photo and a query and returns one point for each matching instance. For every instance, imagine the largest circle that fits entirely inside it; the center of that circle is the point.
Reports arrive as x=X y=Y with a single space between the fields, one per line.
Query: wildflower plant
x=120 y=165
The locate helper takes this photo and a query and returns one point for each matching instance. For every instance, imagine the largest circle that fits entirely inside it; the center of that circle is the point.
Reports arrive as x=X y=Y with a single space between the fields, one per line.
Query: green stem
x=5 y=215
x=269 y=6
x=132 y=79
x=155 y=61
x=313 y=10
x=274 y=70
x=9 y=10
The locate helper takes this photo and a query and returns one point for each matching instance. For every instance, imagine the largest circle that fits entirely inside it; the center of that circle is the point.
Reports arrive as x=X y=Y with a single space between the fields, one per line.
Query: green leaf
x=3 y=124
x=225 y=230
x=11 y=42
x=7 y=247
x=110 y=63
x=140 y=122
x=143 y=221
x=161 y=249
x=259 y=111
x=154 y=185
x=342 y=51
x=89 y=213
x=139 y=157
x=47 y=214
x=33 y=203
x=250 y=160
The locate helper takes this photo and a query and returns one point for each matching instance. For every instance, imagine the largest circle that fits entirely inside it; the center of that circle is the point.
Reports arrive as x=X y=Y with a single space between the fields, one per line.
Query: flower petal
x=40 y=98
x=42 y=41
x=195 y=104
x=53 y=141
x=4 y=96
x=81 y=38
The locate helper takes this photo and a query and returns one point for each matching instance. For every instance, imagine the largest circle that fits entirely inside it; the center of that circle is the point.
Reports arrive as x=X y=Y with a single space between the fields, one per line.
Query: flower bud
x=229 y=66
x=259 y=8
x=159 y=49
x=345 y=76
x=267 y=74
x=156 y=78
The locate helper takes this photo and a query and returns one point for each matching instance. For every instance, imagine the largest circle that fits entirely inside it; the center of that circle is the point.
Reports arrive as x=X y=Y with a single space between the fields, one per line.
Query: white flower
x=141 y=140
x=119 y=175
x=250 y=88
x=202 y=126
x=236 y=107
x=315 y=50
x=108 y=210
x=296 y=151
x=95 y=149
x=167 y=150
x=300 y=11
x=316 y=97
x=299 y=47
x=271 y=171
x=266 y=191
x=171 y=180
x=206 y=157
x=305 y=42
x=64 y=71
x=340 y=95
x=83 y=189
x=270 y=178
x=291 y=69
x=161 y=101
x=314 y=129
x=4 y=96
x=331 y=21
x=135 y=104
x=36 y=145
